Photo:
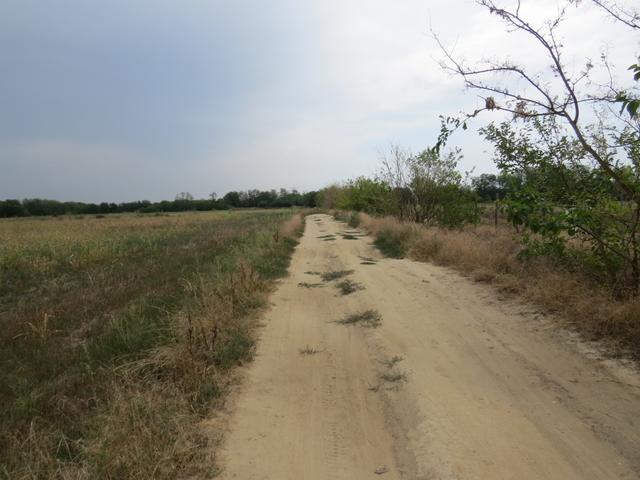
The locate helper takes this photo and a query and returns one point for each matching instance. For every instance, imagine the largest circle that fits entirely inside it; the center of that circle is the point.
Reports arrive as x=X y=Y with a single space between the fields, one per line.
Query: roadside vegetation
x=119 y=334
x=559 y=224
x=183 y=202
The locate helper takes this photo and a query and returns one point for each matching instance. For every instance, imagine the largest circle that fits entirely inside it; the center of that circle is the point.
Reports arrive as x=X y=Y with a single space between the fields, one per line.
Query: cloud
x=120 y=100
x=70 y=171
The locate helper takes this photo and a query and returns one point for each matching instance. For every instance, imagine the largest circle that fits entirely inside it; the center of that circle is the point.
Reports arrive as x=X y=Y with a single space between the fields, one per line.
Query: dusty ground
x=481 y=388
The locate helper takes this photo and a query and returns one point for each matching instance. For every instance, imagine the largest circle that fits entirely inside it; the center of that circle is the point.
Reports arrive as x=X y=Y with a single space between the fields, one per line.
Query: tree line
x=184 y=201
x=425 y=188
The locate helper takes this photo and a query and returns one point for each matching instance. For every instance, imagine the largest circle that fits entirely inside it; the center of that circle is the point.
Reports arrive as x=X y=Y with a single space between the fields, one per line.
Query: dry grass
x=335 y=275
x=292 y=227
x=366 y=318
x=347 y=287
x=490 y=254
x=119 y=333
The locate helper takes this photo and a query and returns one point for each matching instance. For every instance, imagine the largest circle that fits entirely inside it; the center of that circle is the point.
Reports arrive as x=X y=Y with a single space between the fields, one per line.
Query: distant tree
x=365 y=195
x=490 y=187
x=232 y=199
x=12 y=208
x=428 y=188
x=184 y=196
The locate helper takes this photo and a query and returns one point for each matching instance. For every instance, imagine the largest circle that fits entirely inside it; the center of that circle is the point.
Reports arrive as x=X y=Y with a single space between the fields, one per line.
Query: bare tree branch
x=546 y=102
x=631 y=18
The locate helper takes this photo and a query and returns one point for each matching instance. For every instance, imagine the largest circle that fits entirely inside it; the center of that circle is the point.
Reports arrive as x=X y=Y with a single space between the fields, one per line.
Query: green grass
x=391 y=244
x=117 y=334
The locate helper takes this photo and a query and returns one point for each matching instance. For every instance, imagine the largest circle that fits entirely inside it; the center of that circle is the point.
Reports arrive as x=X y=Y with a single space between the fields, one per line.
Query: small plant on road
x=349 y=236
x=308 y=350
x=368 y=318
x=391 y=362
x=367 y=260
x=347 y=286
x=335 y=274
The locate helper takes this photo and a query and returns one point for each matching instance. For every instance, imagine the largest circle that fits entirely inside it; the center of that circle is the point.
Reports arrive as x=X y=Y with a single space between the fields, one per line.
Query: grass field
x=117 y=335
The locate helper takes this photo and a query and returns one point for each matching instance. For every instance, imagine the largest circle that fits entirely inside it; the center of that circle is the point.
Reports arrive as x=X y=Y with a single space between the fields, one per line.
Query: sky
x=122 y=100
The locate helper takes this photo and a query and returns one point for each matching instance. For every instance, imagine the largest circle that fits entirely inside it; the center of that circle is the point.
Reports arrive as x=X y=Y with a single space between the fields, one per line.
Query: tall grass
x=493 y=254
x=118 y=334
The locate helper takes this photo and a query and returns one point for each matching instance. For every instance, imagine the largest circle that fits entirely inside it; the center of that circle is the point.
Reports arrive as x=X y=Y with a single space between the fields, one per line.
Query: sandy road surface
x=489 y=391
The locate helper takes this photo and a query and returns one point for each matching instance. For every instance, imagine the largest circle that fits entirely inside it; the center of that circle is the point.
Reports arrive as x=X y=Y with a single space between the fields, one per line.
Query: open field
x=117 y=335
x=421 y=374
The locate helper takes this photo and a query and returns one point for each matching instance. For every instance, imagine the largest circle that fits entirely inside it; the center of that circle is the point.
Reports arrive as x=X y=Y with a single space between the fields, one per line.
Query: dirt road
x=453 y=384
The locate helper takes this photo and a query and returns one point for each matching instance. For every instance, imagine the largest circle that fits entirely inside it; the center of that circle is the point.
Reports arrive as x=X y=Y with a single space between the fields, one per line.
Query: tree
x=559 y=197
x=365 y=195
x=556 y=92
x=184 y=196
x=626 y=15
x=490 y=187
x=12 y=208
x=427 y=187
x=577 y=157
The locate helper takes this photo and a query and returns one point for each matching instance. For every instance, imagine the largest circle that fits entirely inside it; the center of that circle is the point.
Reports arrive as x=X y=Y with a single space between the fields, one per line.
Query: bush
x=354 y=220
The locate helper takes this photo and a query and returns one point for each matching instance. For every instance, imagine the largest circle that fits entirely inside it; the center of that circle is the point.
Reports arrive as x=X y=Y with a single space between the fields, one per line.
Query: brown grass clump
x=490 y=254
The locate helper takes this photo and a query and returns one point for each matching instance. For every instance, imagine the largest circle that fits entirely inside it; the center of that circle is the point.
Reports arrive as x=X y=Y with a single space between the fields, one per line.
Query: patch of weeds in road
x=347 y=287
x=393 y=377
x=310 y=285
x=308 y=350
x=367 y=260
x=349 y=236
x=329 y=236
x=311 y=272
x=368 y=319
x=391 y=362
x=335 y=274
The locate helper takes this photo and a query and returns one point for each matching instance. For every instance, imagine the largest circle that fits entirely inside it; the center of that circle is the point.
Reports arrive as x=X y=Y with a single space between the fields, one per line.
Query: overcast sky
x=140 y=99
